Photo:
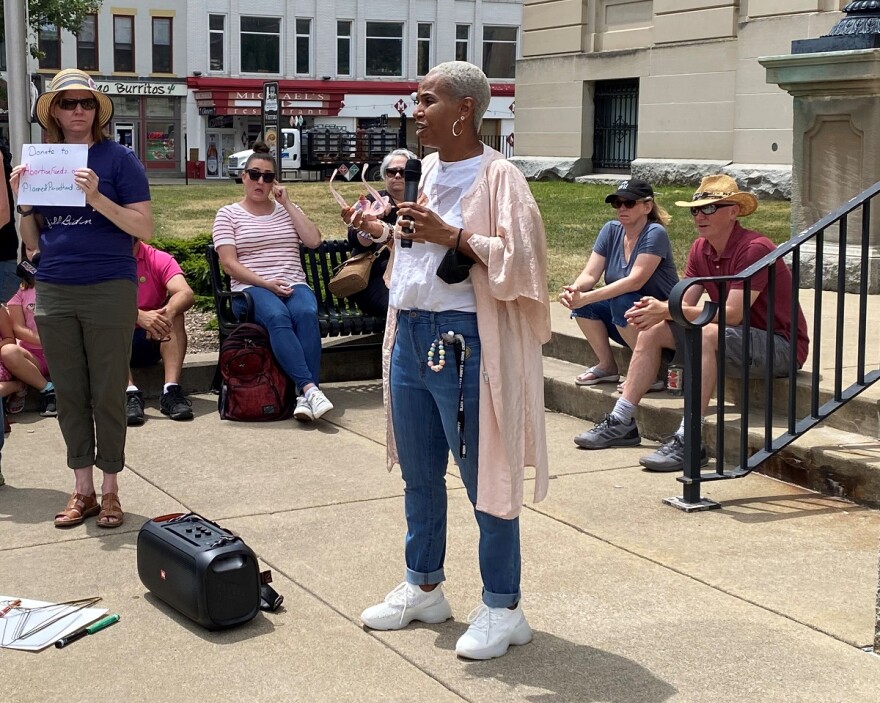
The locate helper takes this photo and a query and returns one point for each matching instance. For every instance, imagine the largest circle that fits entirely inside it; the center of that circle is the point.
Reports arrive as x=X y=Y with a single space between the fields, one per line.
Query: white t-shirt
x=414 y=281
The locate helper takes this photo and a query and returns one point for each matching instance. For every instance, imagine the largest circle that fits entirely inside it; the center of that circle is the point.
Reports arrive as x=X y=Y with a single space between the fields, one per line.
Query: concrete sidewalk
x=768 y=599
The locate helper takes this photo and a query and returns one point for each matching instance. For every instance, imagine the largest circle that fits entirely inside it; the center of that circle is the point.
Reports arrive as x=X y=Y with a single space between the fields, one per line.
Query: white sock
x=131 y=389
x=167 y=386
x=680 y=430
x=308 y=393
x=624 y=411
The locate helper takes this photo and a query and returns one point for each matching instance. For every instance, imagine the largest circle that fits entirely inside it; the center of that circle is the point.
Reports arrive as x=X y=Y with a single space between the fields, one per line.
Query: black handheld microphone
x=412 y=174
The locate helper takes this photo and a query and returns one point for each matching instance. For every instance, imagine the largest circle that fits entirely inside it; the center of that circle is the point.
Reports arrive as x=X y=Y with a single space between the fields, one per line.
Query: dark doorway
x=616 y=125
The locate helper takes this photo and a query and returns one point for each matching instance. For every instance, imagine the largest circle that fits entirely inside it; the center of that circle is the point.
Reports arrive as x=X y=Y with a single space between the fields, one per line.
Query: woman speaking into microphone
x=462 y=362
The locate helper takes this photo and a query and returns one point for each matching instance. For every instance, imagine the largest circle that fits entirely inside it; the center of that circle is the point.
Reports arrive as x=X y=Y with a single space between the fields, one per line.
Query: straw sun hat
x=72 y=79
x=721 y=189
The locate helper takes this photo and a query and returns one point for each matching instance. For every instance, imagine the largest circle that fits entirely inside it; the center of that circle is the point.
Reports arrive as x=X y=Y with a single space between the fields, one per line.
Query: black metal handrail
x=715 y=311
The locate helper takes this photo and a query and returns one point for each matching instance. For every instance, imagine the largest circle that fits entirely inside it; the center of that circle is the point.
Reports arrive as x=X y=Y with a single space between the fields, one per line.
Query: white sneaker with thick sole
x=492 y=631
x=407 y=603
x=319 y=403
x=303 y=410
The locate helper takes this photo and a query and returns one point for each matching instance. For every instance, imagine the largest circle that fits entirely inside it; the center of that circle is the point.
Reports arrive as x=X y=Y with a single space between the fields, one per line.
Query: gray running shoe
x=610 y=432
x=670 y=456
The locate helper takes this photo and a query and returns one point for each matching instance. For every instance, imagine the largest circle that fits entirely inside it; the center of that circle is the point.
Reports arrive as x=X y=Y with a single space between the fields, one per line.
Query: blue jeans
x=425 y=413
x=610 y=312
x=292 y=324
x=9 y=281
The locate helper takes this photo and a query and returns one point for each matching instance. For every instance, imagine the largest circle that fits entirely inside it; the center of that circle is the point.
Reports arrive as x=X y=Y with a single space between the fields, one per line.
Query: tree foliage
x=64 y=14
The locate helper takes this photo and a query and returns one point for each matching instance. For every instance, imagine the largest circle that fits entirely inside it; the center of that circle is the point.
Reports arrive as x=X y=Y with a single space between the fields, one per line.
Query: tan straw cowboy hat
x=73 y=79
x=722 y=189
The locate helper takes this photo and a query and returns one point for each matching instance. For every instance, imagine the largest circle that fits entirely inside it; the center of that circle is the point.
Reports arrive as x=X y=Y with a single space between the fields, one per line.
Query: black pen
x=90 y=630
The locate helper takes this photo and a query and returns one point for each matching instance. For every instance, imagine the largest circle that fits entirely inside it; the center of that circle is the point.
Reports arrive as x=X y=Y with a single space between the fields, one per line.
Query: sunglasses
x=256 y=174
x=628 y=204
x=70 y=104
x=392 y=172
x=710 y=209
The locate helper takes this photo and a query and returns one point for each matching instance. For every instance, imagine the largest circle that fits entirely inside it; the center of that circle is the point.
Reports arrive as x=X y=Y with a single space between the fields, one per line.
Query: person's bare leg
x=630 y=335
x=21 y=365
x=710 y=366
x=10 y=387
x=173 y=350
x=597 y=338
x=645 y=362
x=109 y=484
x=85 y=481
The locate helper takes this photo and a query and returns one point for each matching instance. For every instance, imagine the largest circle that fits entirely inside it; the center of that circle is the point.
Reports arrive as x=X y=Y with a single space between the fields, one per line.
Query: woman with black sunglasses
x=634 y=255
x=258 y=242
x=86 y=288
x=365 y=234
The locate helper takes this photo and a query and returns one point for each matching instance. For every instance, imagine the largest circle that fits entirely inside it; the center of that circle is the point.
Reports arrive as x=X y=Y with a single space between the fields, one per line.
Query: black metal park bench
x=337 y=317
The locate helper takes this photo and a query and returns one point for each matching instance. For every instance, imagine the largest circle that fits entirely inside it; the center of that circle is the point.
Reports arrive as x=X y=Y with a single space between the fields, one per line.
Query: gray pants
x=86 y=335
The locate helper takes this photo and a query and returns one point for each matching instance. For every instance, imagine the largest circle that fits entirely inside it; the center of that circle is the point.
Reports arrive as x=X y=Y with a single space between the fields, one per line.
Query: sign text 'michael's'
x=250 y=95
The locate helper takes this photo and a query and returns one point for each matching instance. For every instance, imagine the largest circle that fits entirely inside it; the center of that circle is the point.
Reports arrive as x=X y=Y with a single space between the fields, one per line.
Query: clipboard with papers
x=32 y=625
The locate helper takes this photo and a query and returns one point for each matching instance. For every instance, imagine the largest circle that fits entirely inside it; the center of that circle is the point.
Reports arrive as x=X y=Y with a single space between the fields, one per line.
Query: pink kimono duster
x=513 y=318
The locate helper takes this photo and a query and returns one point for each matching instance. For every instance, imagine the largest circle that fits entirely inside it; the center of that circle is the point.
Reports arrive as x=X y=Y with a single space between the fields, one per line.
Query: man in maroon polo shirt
x=723 y=247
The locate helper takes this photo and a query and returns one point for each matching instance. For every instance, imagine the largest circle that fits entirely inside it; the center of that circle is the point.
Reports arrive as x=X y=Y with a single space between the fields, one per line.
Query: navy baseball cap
x=633 y=189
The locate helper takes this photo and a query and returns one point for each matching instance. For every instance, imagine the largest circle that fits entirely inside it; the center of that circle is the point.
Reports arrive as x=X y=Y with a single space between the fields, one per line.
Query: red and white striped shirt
x=268 y=245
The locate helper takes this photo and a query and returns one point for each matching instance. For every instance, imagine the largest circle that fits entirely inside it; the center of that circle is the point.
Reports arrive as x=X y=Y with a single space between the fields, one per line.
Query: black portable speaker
x=200 y=569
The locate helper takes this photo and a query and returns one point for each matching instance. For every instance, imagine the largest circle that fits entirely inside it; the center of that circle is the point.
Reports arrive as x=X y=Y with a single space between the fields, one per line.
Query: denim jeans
x=9 y=280
x=292 y=324
x=610 y=313
x=425 y=413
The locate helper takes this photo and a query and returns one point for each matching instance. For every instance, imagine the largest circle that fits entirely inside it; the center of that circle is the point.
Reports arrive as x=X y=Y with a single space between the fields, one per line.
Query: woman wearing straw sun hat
x=87 y=289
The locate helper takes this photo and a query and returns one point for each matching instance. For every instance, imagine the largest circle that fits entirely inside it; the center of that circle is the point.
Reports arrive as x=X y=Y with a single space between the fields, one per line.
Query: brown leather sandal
x=111 y=514
x=78 y=508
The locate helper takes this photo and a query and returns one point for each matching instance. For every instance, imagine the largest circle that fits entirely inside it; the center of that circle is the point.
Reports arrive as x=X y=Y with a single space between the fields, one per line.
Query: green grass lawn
x=573 y=214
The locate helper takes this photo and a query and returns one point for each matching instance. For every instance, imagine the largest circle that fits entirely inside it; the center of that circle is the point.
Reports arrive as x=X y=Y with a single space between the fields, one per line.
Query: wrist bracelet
x=382 y=238
x=24 y=213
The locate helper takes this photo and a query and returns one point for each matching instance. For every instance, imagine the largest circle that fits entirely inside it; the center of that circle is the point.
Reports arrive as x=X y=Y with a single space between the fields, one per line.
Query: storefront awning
x=244 y=96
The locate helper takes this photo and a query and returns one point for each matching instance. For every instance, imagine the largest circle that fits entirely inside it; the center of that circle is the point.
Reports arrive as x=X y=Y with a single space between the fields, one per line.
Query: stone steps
x=860 y=415
x=840 y=457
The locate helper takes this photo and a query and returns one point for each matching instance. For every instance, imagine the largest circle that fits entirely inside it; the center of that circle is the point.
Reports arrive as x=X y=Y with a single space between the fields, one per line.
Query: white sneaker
x=492 y=631
x=319 y=404
x=405 y=604
x=303 y=410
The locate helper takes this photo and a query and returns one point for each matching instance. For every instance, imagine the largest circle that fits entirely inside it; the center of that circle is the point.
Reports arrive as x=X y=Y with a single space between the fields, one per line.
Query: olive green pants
x=86 y=334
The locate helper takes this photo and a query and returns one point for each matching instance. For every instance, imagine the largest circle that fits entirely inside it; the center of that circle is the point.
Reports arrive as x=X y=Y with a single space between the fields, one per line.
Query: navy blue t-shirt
x=78 y=245
x=652 y=240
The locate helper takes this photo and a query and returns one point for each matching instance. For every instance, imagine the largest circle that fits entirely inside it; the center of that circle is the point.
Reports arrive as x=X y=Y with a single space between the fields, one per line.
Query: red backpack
x=254 y=389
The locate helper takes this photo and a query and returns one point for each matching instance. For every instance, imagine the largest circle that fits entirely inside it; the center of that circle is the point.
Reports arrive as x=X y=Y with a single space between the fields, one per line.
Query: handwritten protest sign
x=48 y=179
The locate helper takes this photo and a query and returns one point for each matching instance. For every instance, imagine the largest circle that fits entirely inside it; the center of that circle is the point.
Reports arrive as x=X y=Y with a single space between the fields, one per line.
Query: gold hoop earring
x=460 y=124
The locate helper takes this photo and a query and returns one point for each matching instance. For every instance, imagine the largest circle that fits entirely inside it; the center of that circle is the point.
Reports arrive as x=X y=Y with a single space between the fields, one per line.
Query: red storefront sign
x=244 y=96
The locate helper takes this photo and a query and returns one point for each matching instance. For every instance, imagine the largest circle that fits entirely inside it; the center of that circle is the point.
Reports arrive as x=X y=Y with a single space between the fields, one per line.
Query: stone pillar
x=836 y=150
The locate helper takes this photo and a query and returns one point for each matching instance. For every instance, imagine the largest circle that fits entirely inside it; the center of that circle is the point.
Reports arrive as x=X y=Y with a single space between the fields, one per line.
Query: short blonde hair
x=465 y=80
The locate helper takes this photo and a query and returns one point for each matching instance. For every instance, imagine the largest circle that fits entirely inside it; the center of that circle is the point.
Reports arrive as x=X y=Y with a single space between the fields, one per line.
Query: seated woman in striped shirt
x=258 y=242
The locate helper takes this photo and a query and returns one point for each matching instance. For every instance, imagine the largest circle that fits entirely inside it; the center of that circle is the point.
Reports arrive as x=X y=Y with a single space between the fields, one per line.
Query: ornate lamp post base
x=858 y=29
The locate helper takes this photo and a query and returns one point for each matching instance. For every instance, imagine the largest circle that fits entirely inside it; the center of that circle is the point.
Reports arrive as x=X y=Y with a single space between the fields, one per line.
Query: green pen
x=90 y=630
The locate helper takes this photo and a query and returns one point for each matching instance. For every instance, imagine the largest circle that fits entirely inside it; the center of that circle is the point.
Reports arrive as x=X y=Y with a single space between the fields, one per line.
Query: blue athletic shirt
x=652 y=240
x=78 y=245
